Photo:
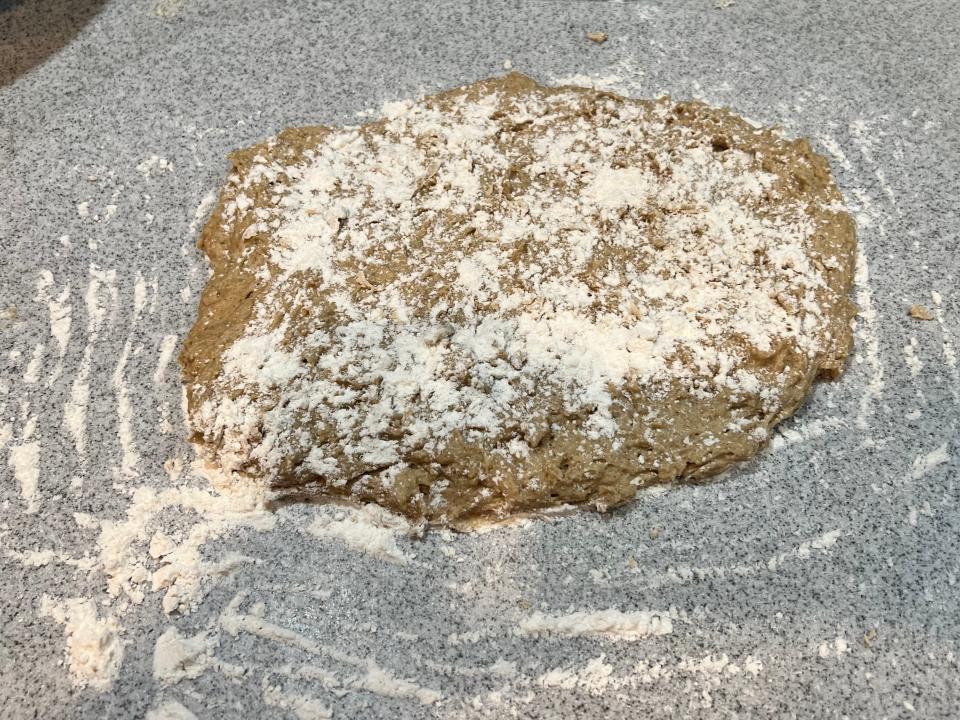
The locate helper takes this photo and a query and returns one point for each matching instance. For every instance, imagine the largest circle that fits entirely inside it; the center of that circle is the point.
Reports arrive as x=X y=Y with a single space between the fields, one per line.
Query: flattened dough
x=508 y=297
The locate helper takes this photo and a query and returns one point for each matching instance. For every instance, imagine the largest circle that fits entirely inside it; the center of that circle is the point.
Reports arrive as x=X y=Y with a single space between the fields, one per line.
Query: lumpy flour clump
x=507 y=297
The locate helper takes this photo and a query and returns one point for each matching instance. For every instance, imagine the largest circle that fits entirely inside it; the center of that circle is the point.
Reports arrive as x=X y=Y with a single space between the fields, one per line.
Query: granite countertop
x=819 y=580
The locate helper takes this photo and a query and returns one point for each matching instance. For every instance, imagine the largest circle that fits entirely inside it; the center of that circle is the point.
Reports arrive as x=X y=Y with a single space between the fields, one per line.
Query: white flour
x=42 y=558
x=373 y=678
x=181 y=571
x=167 y=346
x=176 y=657
x=94 y=649
x=302 y=707
x=923 y=464
x=682 y=574
x=836 y=649
x=914 y=363
x=611 y=623
x=131 y=457
x=32 y=373
x=594 y=677
x=59 y=314
x=597 y=676
x=102 y=282
x=798 y=433
x=139 y=296
x=867 y=334
x=170 y=710
x=947 y=347
x=153 y=165
x=24 y=459
x=369 y=529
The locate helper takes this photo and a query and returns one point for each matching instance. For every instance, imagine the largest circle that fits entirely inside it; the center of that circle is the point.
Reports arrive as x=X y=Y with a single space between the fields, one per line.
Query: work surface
x=818 y=580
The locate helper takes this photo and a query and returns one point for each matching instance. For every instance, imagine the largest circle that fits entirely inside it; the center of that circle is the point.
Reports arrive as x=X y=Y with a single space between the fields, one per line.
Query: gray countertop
x=819 y=580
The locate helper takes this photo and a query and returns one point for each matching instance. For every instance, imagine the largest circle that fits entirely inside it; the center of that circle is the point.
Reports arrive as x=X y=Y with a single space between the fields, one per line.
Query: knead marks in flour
x=507 y=297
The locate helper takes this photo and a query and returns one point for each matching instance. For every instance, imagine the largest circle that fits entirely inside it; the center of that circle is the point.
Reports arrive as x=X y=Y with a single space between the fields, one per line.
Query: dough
x=507 y=297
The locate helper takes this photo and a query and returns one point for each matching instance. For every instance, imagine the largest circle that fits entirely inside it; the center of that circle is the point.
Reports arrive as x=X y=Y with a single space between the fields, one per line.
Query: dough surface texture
x=507 y=297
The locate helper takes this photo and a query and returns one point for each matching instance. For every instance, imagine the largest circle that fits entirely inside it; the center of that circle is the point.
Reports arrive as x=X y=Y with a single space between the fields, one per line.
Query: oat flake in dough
x=508 y=297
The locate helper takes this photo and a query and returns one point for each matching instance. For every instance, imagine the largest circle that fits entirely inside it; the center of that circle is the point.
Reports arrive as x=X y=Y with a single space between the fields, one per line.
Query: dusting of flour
x=610 y=623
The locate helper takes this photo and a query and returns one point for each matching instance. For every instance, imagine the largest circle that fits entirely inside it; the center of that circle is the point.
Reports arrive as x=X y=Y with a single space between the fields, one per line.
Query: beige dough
x=507 y=297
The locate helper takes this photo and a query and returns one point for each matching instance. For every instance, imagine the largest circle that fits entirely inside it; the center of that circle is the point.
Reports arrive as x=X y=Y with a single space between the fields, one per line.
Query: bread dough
x=508 y=297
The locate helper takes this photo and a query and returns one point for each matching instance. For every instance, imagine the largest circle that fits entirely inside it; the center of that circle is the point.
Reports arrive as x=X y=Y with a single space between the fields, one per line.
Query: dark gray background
x=92 y=90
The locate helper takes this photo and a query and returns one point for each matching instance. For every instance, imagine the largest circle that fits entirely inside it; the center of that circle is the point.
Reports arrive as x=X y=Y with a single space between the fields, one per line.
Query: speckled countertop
x=819 y=580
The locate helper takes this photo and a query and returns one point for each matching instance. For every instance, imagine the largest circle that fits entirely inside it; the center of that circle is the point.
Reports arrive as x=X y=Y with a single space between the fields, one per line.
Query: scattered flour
x=139 y=296
x=837 y=648
x=949 y=354
x=206 y=202
x=913 y=516
x=6 y=433
x=182 y=572
x=167 y=346
x=682 y=574
x=686 y=677
x=32 y=373
x=170 y=710
x=369 y=529
x=868 y=320
x=598 y=82
x=42 y=558
x=867 y=334
x=59 y=314
x=804 y=550
x=165 y=354
x=176 y=657
x=373 y=678
x=947 y=347
x=94 y=649
x=154 y=165
x=833 y=147
x=914 y=363
x=923 y=464
x=24 y=459
x=792 y=434
x=612 y=624
x=75 y=411
x=594 y=677
x=130 y=458
x=302 y=707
